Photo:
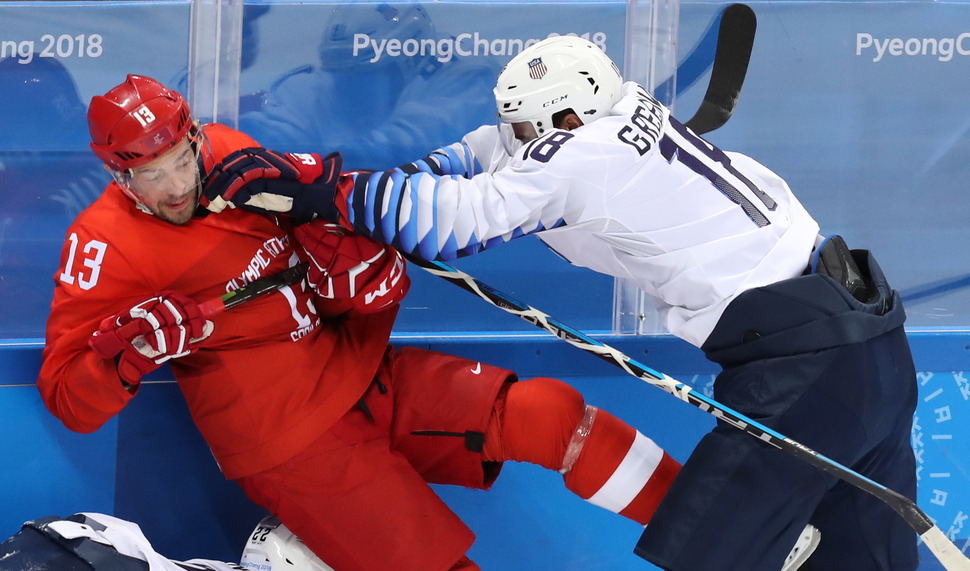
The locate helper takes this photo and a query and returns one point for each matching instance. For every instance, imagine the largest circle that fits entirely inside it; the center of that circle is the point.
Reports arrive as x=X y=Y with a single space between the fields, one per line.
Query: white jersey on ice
x=633 y=195
x=100 y=541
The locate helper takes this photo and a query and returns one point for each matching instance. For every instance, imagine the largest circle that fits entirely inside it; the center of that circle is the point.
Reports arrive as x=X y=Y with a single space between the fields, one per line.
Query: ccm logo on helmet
x=555 y=100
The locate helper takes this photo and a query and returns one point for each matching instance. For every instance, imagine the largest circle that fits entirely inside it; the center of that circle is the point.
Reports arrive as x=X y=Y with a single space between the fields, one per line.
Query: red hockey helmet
x=135 y=122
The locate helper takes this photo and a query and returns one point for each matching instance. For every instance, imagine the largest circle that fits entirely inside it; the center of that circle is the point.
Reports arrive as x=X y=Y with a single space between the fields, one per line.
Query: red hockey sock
x=603 y=460
x=619 y=469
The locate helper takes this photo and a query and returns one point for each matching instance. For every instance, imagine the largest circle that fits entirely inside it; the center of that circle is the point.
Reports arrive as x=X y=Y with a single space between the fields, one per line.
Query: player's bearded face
x=169 y=185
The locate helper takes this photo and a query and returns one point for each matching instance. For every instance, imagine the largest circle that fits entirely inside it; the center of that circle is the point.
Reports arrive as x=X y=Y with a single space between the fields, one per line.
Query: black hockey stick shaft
x=254 y=289
x=944 y=550
x=735 y=40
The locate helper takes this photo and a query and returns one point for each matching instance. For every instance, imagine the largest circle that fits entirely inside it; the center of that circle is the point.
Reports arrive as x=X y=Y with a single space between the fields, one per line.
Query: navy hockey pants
x=805 y=358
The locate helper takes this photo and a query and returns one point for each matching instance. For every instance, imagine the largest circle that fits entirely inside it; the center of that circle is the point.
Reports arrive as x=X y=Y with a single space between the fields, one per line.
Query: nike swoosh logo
x=477 y=369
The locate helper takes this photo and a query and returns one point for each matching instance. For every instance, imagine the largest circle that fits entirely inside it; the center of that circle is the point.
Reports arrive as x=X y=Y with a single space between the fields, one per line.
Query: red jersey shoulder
x=97 y=245
x=225 y=140
x=105 y=213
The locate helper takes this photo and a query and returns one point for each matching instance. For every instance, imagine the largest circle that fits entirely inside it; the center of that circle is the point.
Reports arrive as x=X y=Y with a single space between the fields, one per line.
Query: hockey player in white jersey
x=809 y=334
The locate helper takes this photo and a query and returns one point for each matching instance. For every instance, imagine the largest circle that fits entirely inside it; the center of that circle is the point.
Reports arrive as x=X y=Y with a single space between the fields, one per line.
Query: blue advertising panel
x=940 y=431
x=54 y=56
x=857 y=105
x=861 y=107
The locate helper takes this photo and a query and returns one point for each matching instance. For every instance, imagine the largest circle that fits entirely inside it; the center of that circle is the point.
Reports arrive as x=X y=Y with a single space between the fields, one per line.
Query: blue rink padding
x=151 y=466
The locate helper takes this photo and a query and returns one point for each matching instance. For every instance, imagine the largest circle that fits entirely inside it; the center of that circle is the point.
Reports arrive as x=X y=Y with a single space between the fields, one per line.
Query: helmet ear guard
x=554 y=75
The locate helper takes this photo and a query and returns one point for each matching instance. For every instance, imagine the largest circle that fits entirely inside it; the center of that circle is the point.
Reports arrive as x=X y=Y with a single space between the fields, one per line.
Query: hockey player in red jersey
x=297 y=393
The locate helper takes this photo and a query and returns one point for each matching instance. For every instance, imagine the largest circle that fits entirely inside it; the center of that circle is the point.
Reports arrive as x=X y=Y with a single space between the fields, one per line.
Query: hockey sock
x=616 y=467
x=602 y=459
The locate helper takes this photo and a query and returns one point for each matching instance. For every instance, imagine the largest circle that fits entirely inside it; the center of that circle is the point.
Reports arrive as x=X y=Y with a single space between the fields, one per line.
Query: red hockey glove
x=351 y=267
x=301 y=185
x=163 y=327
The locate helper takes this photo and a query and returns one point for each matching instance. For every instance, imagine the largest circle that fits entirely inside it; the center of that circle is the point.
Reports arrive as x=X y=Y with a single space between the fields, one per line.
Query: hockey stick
x=945 y=551
x=254 y=289
x=248 y=292
x=735 y=39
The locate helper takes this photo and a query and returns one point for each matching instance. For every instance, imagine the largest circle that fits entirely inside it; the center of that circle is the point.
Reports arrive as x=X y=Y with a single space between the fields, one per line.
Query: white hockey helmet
x=273 y=547
x=558 y=73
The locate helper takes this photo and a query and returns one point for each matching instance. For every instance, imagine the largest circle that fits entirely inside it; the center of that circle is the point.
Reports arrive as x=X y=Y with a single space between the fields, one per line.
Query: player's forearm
x=84 y=390
x=79 y=387
x=433 y=216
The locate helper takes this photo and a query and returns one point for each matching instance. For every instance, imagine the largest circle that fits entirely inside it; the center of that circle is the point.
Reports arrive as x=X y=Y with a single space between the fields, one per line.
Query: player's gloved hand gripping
x=140 y=339
x=301 y=185
x=346 y=266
